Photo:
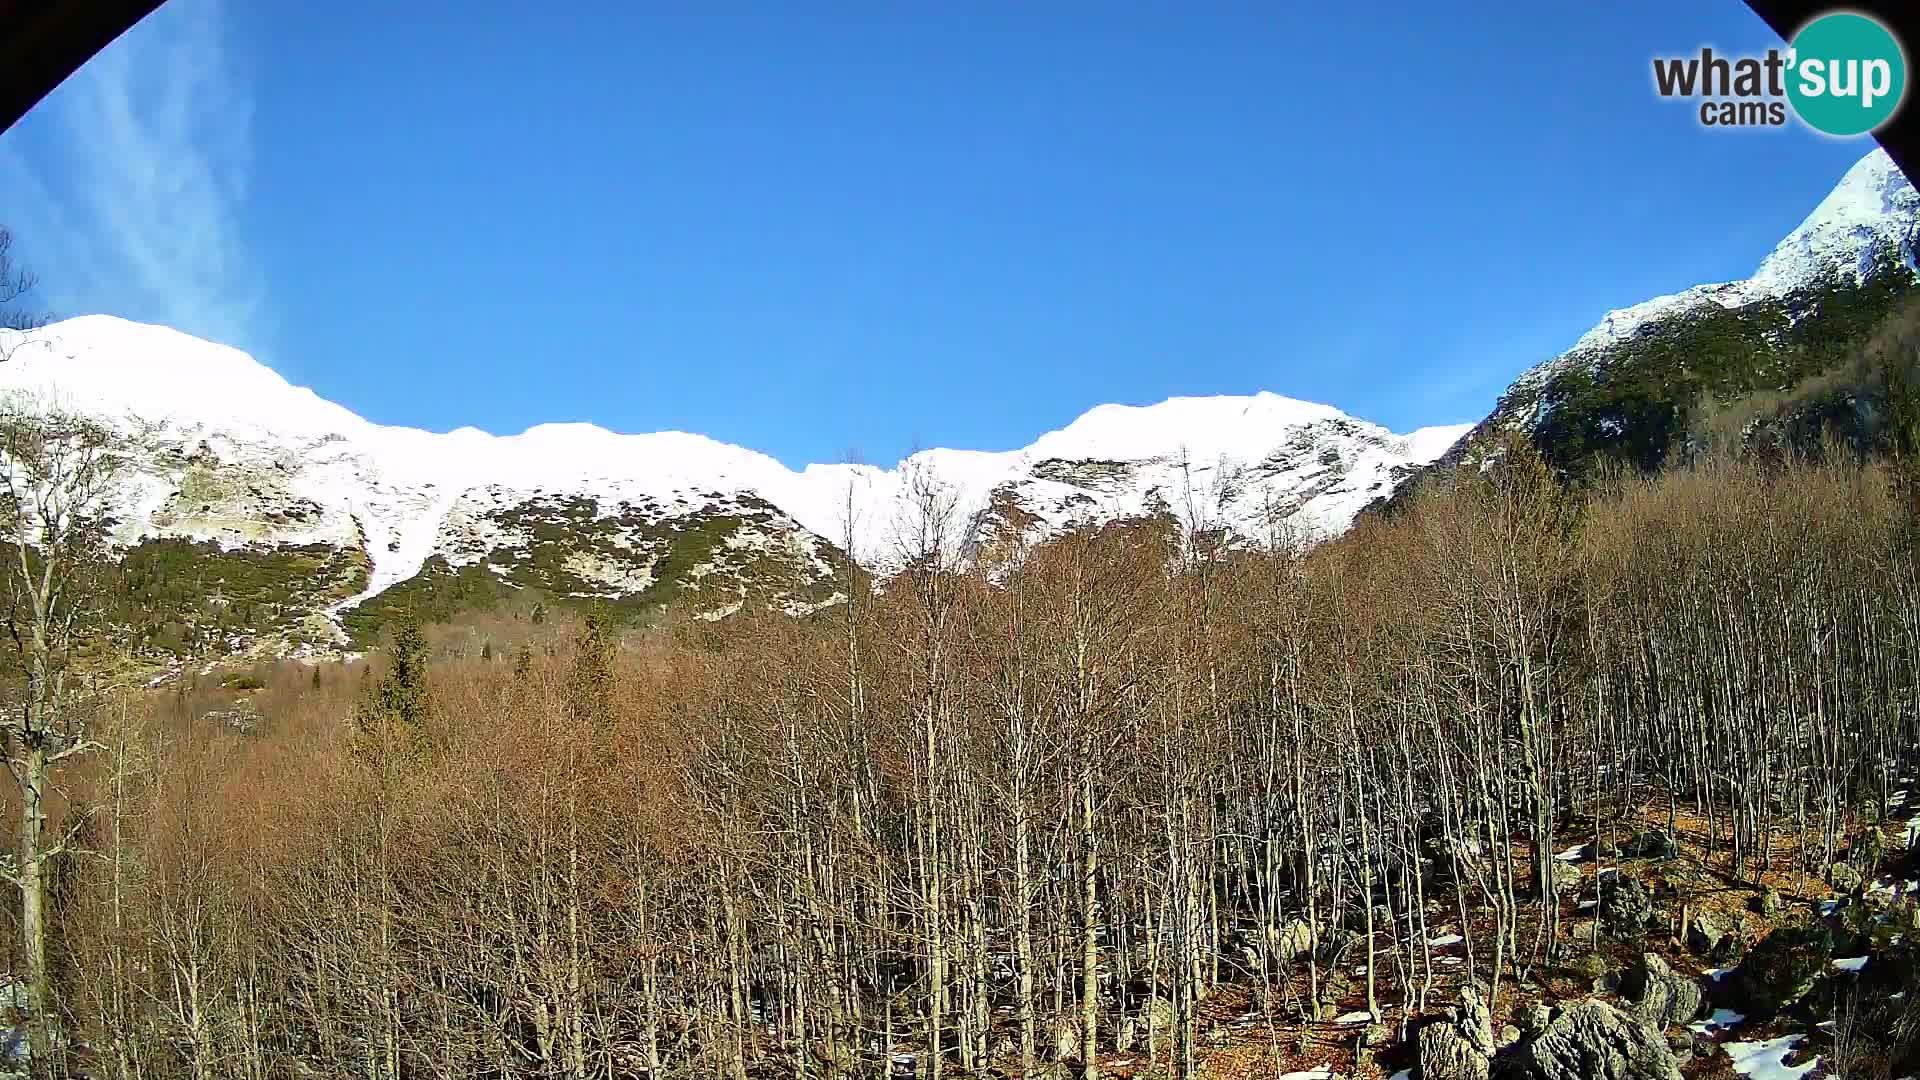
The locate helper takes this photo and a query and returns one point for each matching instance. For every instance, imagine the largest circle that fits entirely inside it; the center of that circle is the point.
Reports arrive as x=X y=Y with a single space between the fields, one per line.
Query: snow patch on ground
x=1720 y=1020
x=1767 y=1060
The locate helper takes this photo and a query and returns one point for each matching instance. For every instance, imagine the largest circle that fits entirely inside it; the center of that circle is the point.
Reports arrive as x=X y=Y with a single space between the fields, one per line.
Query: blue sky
x=889 y=225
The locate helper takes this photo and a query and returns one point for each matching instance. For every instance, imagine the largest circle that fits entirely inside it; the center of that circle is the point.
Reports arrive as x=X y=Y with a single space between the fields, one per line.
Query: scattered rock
x=1768 y=904
x=1659 y=996
x=1459 y=1045
x=1625 y=907
x=1509 y=1034
x=1566 y=878
x=1706 y=935
x=1781 y=968
x=1845 y=879
x=1066 y=1039
x=1653 y=844
x=1533 y=1020
x=1593 y=1041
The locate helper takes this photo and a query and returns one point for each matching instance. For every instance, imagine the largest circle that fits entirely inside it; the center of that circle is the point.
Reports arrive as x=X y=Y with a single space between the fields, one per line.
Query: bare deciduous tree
x=59 y=474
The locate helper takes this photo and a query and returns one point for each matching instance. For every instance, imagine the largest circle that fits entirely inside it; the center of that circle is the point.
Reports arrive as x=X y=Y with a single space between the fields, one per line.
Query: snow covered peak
x=1874 y=209
x=1202 y=428
x=117 y=367
x=1873 y=204
x=266 y=461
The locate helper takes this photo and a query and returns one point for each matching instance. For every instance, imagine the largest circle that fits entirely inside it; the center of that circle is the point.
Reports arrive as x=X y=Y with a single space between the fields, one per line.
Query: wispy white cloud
x=124 y=187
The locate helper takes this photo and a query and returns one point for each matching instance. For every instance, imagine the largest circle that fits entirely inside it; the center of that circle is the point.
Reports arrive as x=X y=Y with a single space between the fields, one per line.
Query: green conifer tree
x=590 y=693
x=397 y=705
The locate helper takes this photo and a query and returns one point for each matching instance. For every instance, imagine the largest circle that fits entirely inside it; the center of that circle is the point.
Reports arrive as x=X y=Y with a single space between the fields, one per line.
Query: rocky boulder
x=1845 y=878
x=1566 y=878
x=1625 y=906
x=1592 y=1041
x=1288 y=941
x=1659 y=996
x=1781 y=968
x=1707 y=935
x=1653 y=844
x=1459 y=1045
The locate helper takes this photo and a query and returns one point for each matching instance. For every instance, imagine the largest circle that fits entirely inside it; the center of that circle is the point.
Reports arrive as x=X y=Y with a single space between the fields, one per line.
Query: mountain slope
x=1632 y=388
x=247 y=481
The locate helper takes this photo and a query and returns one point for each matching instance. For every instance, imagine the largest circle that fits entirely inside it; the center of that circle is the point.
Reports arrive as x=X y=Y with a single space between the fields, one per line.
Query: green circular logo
x=1848 y=74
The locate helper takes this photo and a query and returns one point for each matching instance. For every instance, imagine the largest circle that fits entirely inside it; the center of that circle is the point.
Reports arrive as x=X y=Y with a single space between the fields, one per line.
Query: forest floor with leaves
x=1242 y=1043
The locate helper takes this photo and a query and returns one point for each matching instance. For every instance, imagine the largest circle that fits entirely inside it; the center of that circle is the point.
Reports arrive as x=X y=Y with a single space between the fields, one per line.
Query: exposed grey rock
x=1459 y=1045
x=1534 y=1019
x=1066 y=1038
x=1653 y=844
x=1845 y=878
x=1566 y=878
x=1625 y=907
x=1660 y=996
x=1768 y=904
x=1706 y=934
x=1593 y=1041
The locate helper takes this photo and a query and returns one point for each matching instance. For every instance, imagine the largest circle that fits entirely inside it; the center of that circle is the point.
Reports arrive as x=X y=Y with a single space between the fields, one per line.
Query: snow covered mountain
x=1628 y=386
x=243 y=466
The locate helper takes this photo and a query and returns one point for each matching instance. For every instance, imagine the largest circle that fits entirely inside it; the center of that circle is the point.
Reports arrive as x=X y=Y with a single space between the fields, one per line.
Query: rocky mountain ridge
x=239 y=465
x=1631 y=388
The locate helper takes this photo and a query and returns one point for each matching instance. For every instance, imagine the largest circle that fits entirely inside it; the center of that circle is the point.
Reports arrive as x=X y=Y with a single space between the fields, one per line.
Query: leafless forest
x=1036 y=821
x=1022 y=812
